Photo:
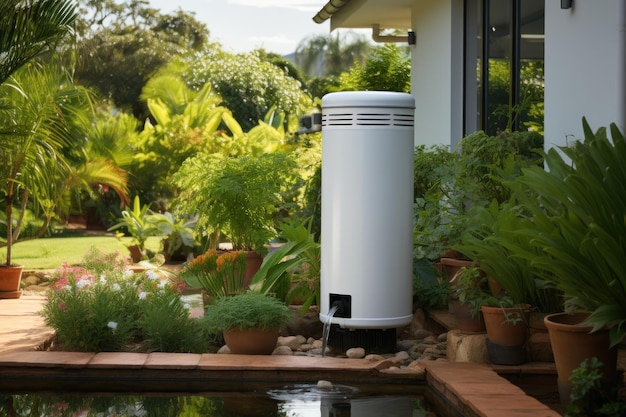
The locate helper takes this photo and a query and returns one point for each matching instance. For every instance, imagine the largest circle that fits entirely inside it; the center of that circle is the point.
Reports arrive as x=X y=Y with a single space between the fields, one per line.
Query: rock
x=324 y=385
x=406 y=344
x=293 y=342
x=355 y=353
x=466 y=348
x=421 y=334
x=434 y=353
x=317 y=344
x=443 y=337
x=315 y=351
x=283 y=350
x=403 y=356
x=308 y=325
x=29 y=280
x=224 y=350
x=374 y=358
x=416 y=366
x=305 y=347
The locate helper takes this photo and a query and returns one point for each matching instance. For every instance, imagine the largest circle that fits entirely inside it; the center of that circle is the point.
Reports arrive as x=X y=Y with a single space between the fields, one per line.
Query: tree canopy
x=120 y=46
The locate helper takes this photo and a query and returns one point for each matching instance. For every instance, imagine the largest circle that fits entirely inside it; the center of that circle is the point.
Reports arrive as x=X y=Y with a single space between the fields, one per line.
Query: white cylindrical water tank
x=367 y=209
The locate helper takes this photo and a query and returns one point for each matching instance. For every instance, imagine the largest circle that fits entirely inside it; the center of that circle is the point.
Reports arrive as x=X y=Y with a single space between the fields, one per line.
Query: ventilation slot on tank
x=338 y=119
x=373 y=119
x=403 y=119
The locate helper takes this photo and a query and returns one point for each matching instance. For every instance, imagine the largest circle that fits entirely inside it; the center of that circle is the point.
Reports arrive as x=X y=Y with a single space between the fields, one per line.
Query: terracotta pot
x=135 y=253
x=253 y=263
x=464 y=320
x=572 y=343
x=251 y=341
x=10 y=278
x=450 y=266
x=503 y=332
x=495 y=287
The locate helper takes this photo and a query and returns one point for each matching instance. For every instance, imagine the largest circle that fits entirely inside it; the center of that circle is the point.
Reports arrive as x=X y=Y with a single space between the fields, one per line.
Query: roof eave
x=329 y=9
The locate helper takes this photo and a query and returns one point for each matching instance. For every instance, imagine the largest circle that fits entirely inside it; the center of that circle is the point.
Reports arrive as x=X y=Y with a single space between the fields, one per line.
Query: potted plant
x=236 y=197
x=137 y=221
x=292 y=271
x=470 y=293
x=577 y=207
x=491 y=239
x=217 y=273
x=250 y=322
x=179 y=239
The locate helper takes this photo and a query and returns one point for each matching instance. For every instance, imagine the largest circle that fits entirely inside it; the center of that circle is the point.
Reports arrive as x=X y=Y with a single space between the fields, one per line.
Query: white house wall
x=437 y=71
x=582 y=74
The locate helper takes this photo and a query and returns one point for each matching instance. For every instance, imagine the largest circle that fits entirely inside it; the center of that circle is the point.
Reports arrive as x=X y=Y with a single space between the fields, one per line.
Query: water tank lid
x=389 y=99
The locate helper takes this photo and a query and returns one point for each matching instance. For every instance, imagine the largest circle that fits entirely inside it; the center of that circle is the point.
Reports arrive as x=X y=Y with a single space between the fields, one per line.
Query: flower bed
x=102 y=305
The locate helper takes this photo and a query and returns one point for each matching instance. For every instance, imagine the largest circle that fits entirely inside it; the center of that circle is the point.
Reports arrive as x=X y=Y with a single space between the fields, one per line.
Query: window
x=504 y=56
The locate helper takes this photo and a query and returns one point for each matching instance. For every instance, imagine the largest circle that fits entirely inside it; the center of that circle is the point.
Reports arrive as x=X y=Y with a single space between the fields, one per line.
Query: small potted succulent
x=250 y=322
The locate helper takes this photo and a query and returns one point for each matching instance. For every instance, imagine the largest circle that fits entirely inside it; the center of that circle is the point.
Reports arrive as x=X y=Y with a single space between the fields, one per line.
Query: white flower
x=151 y=275
x=128 y=273
x=103 y=279
x=187 y=306
x=143 y=295
x=81 y=283
x=112 y=325
x=162 y=284
x=116 y=287
x=67 y=287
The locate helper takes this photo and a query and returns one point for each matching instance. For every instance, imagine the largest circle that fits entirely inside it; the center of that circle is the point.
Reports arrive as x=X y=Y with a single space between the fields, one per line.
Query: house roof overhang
x=355 y=14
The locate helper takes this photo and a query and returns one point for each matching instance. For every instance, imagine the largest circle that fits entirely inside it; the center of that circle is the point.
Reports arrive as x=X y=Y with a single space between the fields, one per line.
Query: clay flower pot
x=572 y=343
x=464 y=320
x=251 y=341
x=507 y=330
x=10 y=278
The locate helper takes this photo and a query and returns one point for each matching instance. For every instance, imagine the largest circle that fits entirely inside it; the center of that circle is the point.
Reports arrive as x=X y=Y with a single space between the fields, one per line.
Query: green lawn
x=48 y=253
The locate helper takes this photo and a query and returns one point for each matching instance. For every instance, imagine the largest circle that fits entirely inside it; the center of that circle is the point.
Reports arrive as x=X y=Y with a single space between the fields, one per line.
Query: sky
x=243 y=25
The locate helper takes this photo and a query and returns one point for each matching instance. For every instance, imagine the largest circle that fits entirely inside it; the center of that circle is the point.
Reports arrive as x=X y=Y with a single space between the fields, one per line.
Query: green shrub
x=93 y=308
x=247 y=310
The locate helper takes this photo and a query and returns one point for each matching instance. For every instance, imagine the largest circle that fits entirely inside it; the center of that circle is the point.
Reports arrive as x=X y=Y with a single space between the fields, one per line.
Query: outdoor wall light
x=566 y=4
x=412 y=38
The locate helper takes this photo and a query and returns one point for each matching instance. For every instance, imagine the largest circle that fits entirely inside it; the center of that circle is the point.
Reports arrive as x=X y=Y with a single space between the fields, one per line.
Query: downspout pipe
x=621 y=64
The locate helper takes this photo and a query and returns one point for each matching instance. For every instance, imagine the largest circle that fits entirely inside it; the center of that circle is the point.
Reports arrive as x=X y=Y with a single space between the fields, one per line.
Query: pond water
x=304 y=400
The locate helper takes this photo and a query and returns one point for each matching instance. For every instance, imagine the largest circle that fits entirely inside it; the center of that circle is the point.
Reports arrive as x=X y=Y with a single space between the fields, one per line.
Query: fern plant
x=236 y=197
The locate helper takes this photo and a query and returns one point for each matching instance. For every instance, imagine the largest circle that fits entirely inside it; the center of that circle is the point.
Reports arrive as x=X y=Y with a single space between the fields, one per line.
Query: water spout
x=326 y=330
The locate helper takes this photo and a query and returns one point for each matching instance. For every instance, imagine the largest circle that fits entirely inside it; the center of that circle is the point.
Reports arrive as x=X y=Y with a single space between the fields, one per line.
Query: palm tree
x=29 y=144
x=331 y=54
x=29 y=28
x=35 y=104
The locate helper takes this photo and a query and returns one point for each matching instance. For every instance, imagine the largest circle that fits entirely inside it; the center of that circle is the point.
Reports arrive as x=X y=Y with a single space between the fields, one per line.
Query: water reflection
x=305 y=400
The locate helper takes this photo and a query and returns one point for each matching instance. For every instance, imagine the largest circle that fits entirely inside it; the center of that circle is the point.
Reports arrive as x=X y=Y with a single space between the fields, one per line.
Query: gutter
x=328 y=10
x=333 y=6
